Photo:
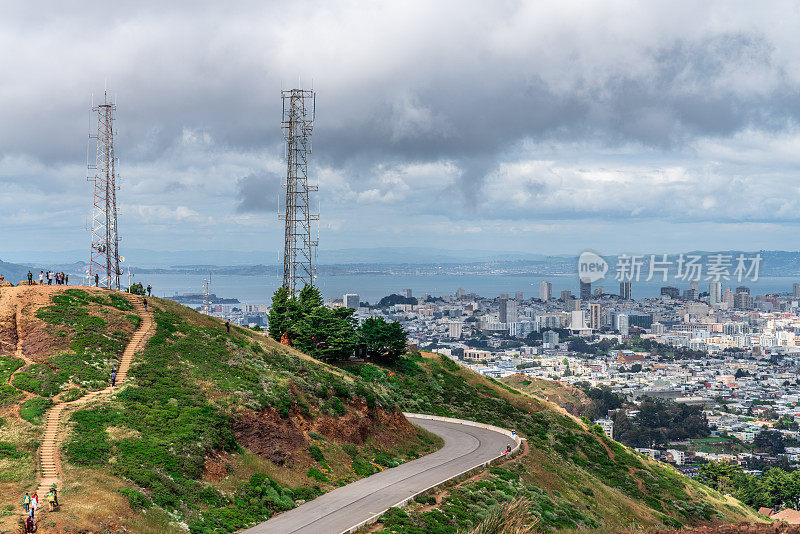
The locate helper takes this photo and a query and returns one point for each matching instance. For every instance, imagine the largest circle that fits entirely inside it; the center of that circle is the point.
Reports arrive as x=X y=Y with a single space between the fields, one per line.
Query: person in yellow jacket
x=26 y=503
x=51 y=499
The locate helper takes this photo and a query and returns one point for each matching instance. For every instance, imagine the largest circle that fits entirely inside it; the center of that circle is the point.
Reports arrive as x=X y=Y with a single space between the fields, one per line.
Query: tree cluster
x=331 y=333
x=776 y=488
x=660 y=421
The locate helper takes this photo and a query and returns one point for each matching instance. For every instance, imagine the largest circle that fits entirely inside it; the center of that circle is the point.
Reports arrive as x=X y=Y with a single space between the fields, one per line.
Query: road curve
x=465 y=447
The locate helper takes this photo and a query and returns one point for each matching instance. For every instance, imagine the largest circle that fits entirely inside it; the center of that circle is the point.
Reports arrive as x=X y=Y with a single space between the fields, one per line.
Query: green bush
x=316 y=474
x=9 y=364
x=33 y=409
x=136 y=499
x=316 y=453
x=40 y=379
x=73 y=394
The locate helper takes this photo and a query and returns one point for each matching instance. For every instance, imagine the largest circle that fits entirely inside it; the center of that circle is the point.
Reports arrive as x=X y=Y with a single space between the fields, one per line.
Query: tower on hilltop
x=299 y=252
x=104 y=258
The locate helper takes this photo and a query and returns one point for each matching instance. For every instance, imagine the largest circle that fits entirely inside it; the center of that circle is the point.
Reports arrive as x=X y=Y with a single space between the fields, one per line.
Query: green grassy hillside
x=218 y=431
x=571 y=477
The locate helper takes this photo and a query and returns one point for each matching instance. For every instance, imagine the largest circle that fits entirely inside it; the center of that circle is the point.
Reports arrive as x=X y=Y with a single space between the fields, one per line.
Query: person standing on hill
x=149 y=289
x=41 y=277
x=113 y=377
x=228 y=325
x=96 y=280
x=145 y=304
x=26 y=503
x=55 y=494
x=30 y=278
x=51 y=501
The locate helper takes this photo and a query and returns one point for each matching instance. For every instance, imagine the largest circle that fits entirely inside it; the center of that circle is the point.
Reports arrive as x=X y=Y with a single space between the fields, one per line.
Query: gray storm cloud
x=525 y=110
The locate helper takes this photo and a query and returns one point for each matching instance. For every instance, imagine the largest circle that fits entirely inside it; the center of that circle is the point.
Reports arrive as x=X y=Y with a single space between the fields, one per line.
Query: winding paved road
x=465 y=448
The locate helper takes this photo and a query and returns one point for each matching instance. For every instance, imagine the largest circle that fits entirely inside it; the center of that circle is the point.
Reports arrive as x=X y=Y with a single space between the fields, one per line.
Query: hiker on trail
x=149 y=289
x=26 y=503
x=29 y=525
x=34 y=504
x=113 y=377
x=49 y=278
x=145 y=304
x=96 y=280
x=228 y=325
x=51 y=500
x=66 y=279
x=41 y=277
x=55 y=494
x=30 y=278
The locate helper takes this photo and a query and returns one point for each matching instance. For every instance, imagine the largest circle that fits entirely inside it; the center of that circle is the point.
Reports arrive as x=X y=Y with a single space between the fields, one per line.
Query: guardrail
x=510 y=433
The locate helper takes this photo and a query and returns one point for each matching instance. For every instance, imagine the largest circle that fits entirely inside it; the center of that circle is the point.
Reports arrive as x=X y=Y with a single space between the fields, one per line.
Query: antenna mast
x=299 y=261
x=104 y=259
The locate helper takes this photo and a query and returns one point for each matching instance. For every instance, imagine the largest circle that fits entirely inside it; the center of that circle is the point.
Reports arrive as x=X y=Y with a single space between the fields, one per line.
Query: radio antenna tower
x=104 y=261
x=299 y=251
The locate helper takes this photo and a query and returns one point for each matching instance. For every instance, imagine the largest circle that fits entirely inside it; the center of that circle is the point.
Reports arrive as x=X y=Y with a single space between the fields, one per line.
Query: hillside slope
x=213 y=431
x=571 y=477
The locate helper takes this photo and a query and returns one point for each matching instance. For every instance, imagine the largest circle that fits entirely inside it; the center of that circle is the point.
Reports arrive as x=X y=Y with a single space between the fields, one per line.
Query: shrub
x=136 y=500
x=33 y=409
x=316 y=453
x=316 y=474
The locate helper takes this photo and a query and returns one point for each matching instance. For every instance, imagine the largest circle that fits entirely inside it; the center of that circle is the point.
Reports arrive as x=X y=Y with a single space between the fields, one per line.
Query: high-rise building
x=796 y=291
x=407 y=293
x=460 y=293
x=694 y=284
x=743 y=301
x=595 y=316
x=518 y=296
x=508 y=311
x=727 y=297
x=572 y=304
x=351 y=301
x=577 y=320
x=743 y=289
x=625 y=292
x=586 y=290
x=566 y=294
x=549 y=339
x=715 y=292
x=545 y=291
x=671 y=292
x=622 y=324
x=455 y=329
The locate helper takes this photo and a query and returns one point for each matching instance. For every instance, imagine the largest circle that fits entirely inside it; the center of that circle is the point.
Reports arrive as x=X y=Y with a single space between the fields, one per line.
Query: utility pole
x=299 y=252
x=104 y=258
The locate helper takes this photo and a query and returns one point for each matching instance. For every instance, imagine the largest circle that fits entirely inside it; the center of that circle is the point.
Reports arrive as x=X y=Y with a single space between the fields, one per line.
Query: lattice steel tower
x=104 y=260
x=299 y=252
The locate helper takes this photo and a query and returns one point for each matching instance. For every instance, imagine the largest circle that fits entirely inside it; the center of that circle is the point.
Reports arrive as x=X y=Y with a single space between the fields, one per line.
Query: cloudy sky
x=544 y=127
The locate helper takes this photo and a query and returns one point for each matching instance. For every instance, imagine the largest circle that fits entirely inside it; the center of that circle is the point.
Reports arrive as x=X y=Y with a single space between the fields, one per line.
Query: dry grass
x=512 y=518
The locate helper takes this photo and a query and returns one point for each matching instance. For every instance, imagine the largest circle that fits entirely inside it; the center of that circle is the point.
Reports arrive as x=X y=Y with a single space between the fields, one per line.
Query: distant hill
x=15 y=273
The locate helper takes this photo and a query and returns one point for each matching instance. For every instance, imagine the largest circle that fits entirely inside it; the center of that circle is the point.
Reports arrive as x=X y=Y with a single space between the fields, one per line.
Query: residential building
x=595 y=316
x=625 y=291
x=545 y=291
x=351 y=300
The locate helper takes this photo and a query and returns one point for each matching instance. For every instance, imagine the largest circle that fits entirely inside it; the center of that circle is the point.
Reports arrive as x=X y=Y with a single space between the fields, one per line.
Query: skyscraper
x=595 y=316
x=586 y=290
x=508 y=311
x=625 y=292
x=572 y=304
x=545 y=291
x=518 y=296
x=796 y=291
x=566 y=294
x=715 y=292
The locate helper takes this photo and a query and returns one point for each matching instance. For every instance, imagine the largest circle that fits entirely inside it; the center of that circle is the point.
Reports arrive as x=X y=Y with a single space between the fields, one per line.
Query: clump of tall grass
x=512 y=518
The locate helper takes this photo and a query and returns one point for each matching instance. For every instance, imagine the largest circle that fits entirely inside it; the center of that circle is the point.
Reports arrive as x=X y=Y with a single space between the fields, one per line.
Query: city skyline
x=673 y=123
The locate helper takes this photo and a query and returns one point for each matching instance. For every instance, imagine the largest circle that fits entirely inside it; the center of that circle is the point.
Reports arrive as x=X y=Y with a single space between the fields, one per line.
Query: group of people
x=61 y=279
x=31 y=503
x=139 y=289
